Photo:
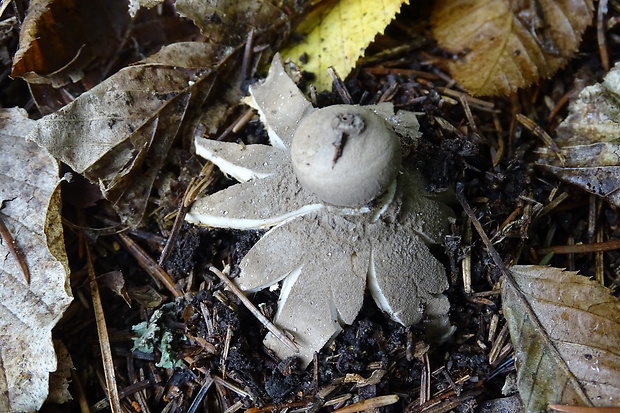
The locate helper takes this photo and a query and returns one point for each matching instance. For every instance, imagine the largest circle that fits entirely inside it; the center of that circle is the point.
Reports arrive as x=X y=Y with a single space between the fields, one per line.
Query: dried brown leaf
x=565 y=329
x=588 y=140
x=28 y=311
x=119 y=133
x=230 y=21
x=60 y=38
x=502 y=45
x=59 y=380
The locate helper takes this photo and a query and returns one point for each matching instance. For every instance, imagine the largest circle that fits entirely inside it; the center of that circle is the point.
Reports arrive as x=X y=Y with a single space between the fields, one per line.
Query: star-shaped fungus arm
x=404 y=276
x=268 y=195
x=280 y=104
x=324 y=278
x=418 y=211
x=244 y=163
x=250 y=205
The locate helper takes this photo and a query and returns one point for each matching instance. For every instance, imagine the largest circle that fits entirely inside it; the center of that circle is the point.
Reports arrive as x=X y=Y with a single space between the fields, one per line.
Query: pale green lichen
x=152 y=336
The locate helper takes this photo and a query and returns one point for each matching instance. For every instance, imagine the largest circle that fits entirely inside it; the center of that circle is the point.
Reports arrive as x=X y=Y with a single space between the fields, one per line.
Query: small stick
x=467 y=110
x=547 y=208
x=11 y=244
x=466 y=262
x=104 y=339
x=425 y=382
x=247 y=57
x=389 y=93
x=600 y=34
x=150 y=265
x=230 y=386
x=544 y=136
x=560 y=104
x=338 y=84
x=193 y=189
x=272 y=407
x=479 y=103
x=369 y=404
x=248 y=304
x=201 y=394
x=78 y=392
x=226 y=350
x=457 y=389
x=580 y=409
x=236 y=125
x=243 y=120
x=497 y=346
x=610 y=245
x=599 y=259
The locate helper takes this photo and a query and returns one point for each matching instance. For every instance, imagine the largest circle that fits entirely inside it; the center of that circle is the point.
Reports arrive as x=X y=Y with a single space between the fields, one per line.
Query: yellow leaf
x=342 y=36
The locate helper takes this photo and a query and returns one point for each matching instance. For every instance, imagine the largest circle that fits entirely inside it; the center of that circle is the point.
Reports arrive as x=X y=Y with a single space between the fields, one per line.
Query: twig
x=467 y=110
x=14 y=249
x=369 y=404
x=246 y=63
x=580 y=409
x=560 y=104
x=544 y=136
x=385 y=71
x=196 y=185
x=226 y=350
x=340 y=87
x=478 y=103
x=501 y=141
x=272 y=407
x=466 y=262
x=4 y=6
x=425 y=382
x=243 y=120
x=149 y=264
x=201 y=394
x=104 y=340
x=519 y=296
x=248 y=304
x=229 y=386
x=610 y=245
x=236 y=125
x=600 y=34
x=78 y=392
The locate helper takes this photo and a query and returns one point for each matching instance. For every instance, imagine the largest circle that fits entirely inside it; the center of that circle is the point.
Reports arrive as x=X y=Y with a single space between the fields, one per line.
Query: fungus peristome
x=328 y=247
x=346 y=155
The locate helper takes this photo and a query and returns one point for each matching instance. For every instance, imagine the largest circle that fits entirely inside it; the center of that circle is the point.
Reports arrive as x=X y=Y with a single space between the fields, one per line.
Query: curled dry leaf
x=119 y=133
x=229 y=21
x=60 y=38
x=59 y=380
x=28 y=311
x=588 y=140
x=502 y=45
x=340 y=36
x=565 y=329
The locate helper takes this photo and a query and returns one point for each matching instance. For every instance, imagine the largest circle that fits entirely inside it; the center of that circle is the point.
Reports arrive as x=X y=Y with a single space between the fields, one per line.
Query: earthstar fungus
x=346 y=155
x=344 y=215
